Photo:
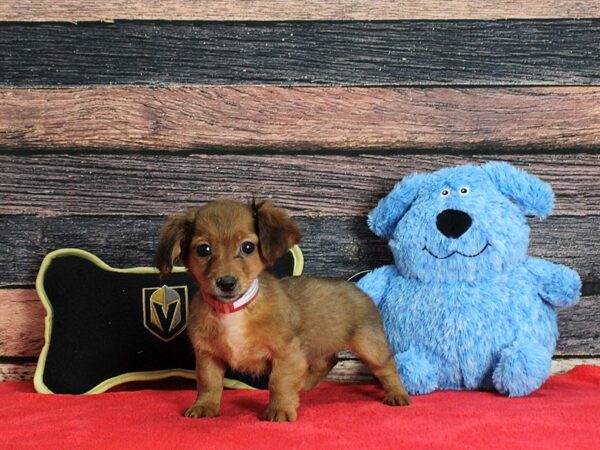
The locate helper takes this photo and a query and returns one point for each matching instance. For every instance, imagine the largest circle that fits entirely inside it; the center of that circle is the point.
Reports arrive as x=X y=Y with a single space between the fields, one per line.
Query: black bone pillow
x=107 y=326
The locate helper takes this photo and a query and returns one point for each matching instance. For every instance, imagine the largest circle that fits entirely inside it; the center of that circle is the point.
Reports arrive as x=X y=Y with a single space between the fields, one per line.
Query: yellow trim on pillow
x=38 y=379
x=298 y=261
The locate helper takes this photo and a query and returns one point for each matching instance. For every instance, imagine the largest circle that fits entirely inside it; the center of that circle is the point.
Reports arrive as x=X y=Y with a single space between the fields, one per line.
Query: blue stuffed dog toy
x=464 y=307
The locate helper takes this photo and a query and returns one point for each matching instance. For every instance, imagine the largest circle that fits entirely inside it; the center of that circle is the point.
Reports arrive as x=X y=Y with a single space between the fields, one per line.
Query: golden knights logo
x=165 y=311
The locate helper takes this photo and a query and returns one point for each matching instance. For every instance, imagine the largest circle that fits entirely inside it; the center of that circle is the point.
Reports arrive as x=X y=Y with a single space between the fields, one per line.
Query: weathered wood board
x=258 y=118
x=471 y=52
x=312 y=185
x=265 y=10
x=331 y=246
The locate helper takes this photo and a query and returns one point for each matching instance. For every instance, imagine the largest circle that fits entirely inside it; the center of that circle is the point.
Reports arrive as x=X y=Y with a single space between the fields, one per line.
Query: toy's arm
x=558 y=285
x=376 y=283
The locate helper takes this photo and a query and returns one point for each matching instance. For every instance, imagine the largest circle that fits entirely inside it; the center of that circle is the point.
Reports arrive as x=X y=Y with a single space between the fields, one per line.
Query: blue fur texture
x=464 y=307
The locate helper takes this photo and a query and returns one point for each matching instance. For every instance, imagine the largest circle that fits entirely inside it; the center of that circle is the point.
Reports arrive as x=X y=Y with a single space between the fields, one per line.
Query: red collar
x=226 y=308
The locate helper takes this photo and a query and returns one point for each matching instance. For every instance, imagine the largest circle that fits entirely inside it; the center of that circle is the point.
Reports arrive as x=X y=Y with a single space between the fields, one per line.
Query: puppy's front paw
x=396 y=399
x=279 y=414
x=196 y=411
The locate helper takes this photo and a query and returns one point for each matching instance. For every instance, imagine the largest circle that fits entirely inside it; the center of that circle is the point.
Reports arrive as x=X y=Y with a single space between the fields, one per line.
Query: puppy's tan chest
x=242 y=352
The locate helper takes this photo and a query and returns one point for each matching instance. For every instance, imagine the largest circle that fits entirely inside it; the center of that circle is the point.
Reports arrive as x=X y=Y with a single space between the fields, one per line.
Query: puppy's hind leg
x=319 y=370
x=371 y=346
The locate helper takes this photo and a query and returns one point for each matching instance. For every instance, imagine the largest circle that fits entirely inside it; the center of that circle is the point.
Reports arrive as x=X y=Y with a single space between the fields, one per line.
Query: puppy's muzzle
x=226 y=284
x=453 y=223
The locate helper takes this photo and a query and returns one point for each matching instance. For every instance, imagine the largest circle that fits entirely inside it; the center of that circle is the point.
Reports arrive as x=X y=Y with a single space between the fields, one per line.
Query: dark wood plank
x=261 y=10
x=242 y=118
x=515 y=52
x=323 y=185
x=332 y=246
x=579 y=328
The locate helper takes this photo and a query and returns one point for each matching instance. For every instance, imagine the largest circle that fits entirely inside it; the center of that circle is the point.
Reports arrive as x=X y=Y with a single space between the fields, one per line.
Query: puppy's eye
x=464 y=190
x=204 y=250
x=248 y=247
x=445 y=193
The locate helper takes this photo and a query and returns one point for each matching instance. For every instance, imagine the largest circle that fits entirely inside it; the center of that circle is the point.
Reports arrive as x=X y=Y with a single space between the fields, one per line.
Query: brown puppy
x=246 y=318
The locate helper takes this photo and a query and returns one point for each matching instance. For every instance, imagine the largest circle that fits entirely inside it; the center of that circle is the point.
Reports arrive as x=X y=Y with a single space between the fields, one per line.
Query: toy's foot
x=416 y=372
x=522 y=369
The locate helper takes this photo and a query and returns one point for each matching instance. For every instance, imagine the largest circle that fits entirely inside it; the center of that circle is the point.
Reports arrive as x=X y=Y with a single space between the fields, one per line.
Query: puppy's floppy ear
x=383 y=219
x=276 y=231
x=174 y=240
x=532 y=195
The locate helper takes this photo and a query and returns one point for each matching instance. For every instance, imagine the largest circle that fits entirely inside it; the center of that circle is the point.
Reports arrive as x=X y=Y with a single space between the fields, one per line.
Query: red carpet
x=564 y=414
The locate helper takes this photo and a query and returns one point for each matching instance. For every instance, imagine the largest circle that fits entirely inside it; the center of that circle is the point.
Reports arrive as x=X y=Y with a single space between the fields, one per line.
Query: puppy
x=246 y=318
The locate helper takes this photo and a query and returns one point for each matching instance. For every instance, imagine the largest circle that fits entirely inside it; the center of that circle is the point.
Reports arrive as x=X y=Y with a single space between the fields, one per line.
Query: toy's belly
x=464 y=327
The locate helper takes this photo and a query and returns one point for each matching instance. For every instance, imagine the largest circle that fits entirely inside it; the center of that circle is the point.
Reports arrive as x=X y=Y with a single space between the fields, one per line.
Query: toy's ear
x=532 y=195
x=390 y=209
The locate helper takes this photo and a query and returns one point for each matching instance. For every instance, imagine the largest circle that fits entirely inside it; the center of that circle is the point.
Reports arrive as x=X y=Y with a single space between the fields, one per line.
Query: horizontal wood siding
x=243 y=118
x=106 y=128
x=513 y=52
x=261 y=10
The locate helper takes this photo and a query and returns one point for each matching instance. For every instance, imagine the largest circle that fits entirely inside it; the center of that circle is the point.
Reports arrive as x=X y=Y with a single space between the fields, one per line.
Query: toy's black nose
x=453 y=223
x=226 y=283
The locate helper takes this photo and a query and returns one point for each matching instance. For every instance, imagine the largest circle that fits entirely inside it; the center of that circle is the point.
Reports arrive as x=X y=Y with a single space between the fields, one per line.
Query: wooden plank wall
x=114 y=114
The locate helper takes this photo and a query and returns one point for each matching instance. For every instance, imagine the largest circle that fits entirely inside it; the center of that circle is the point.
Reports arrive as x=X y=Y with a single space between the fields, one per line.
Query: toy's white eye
x=464 y=190
x=445 y=192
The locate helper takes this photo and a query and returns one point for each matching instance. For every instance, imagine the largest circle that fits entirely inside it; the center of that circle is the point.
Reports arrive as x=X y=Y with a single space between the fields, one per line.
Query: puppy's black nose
x=226 y=283
x=453 y=223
